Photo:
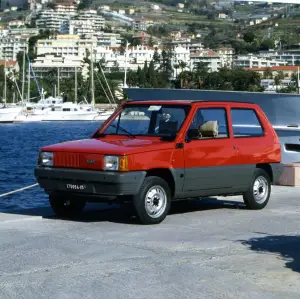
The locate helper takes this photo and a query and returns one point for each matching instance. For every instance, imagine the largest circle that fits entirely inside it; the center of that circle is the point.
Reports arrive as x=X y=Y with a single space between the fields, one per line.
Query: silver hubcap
x=155 y=201
x=260 y=189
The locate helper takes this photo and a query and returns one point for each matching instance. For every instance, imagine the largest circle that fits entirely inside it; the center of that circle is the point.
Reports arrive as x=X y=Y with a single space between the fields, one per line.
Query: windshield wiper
x=122 y=129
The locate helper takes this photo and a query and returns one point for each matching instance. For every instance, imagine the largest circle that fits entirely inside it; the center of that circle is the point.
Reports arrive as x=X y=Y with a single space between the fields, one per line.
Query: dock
x=206 y=249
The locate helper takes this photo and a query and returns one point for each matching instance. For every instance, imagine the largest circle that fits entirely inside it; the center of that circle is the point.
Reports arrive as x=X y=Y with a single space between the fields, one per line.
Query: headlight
x=45 y=159
x=116 y=163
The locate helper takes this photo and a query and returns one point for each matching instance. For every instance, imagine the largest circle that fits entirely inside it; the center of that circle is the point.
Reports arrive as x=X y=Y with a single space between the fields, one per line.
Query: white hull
x=8 y=115
x=29 y=118
x=69 y=116
x=104 y=115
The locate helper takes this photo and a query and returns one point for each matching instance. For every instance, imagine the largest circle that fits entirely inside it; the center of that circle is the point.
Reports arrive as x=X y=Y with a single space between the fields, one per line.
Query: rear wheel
x=153 y=202
x=66 y=207
x=258 y=194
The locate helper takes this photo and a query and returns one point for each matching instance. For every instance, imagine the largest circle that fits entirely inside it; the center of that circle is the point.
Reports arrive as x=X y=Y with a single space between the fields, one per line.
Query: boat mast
x=298 y=82
x=92 y=78
x=125 y=71
x=58 y=91
x=23 y=74
x=4 y=92
x=28 y=82
x=75 y=91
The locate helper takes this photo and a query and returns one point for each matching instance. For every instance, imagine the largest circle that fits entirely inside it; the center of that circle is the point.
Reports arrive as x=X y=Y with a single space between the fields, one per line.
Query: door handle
x=234 y=147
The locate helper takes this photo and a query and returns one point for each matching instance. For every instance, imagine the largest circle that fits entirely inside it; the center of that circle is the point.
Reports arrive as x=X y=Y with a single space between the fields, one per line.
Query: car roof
x=189 y=102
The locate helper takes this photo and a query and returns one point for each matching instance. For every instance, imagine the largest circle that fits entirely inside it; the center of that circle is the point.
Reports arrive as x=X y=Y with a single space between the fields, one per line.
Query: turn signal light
x=123 y=166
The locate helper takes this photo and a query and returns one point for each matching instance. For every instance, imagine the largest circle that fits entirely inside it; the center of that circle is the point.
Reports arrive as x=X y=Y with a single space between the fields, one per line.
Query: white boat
x=69 y=112
x=104 y=114
x=33 y=112
x=9 y=114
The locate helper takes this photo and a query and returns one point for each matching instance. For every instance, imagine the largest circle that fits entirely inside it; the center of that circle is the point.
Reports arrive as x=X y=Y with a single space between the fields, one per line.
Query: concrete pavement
x=204 y=249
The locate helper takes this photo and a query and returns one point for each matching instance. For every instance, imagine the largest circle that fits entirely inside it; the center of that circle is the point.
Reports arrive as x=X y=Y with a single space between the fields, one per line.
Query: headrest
x=169 y=127
x=209 y=129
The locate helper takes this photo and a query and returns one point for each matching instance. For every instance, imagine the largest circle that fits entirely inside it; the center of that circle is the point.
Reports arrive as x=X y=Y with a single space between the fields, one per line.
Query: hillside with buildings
x=199 y=44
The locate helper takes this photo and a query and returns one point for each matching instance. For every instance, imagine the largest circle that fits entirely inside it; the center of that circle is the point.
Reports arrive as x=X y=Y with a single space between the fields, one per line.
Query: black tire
x=65 y=207
x=161 y=195
x=258 y=194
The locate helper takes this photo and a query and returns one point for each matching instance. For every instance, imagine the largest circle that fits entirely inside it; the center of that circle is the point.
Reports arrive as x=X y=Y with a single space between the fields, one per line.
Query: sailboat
x=7 y=114
x=104 y=114
x=70 y=111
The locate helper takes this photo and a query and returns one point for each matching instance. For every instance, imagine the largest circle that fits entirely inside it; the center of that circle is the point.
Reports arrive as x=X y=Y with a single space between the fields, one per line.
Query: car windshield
x=148 y=120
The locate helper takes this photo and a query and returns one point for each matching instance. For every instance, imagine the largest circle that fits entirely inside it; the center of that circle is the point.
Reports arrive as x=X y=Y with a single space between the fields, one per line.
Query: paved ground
x=204 y=249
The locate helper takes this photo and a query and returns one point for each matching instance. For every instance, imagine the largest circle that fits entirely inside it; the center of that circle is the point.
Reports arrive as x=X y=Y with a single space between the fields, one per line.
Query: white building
x=226 y=56
x=86 y=22
x=91 y=15
x=65 y=45
x=81 y=27
x=251 y=61
x=10 y=47
x=69 y=8
x=52 y=20
x=66 y=65
x=212 y=60
x=16 y=23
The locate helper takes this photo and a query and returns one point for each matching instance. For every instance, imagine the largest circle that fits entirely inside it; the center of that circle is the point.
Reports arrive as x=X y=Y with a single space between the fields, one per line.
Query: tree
x=267 y=44
x=249 y=37
x=182 y=65
x=268 y=74
x=152 y=75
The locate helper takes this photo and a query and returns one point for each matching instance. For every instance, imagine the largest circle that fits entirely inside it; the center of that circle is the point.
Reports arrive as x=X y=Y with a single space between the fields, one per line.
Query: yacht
x=69 y=112
x=33 y=112
x=9 y=114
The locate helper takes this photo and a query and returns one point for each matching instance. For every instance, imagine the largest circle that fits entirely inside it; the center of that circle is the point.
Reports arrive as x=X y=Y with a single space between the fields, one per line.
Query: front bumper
x=89 y=182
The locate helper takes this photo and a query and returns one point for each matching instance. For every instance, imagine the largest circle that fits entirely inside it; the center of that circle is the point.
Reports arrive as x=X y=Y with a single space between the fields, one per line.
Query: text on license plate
x=76 y=187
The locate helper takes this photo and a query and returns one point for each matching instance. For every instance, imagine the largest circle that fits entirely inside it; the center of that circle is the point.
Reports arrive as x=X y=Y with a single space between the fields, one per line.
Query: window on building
x=209 y=123
x=245 y=123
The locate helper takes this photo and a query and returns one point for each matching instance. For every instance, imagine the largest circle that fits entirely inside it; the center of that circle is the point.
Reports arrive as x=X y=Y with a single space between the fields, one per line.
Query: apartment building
x=226 y=56
x=64 y=46
x=10 y=47
x=52 y=20
x=67 y=66
x=287 y=70
x=141 y=24
x=81 y=27
x=251 y=61
x=291 y=56
x=86 y=22
x=212 y=60
x=91 y=15
x=69 y=8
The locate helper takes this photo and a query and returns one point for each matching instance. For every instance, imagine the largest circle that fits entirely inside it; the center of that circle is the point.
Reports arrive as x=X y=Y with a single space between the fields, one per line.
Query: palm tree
x=268 y=74
x=176 y=67
x=182 y=65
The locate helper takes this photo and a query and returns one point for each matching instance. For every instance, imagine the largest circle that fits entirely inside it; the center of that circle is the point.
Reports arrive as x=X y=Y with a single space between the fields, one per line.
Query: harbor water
x=19 y=147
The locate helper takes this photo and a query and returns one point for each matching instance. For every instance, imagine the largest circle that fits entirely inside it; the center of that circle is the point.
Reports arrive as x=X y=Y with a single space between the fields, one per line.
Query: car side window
x=209 y=123
x=245 y=123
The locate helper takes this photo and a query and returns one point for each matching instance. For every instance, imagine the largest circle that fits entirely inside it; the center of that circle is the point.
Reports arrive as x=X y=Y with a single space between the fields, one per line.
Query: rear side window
x=245 y=123
x=209 y=123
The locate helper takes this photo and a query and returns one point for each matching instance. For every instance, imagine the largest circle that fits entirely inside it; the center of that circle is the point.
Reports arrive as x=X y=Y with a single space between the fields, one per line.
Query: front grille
x=71 y=160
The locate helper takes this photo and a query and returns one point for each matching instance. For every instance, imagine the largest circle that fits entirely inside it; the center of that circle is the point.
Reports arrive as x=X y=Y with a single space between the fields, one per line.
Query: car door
x=249 y=142
x=208 y=160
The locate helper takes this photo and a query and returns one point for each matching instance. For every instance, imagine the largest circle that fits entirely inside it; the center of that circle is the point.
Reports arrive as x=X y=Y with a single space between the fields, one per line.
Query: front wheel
x=153 y=202
x=259 y=191
x=66 y=207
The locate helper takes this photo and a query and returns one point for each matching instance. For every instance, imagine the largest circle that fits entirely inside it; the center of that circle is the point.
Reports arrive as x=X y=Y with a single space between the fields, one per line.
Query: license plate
x=85 y=188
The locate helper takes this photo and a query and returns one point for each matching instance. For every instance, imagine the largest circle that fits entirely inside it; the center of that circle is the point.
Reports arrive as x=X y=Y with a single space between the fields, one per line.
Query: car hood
x=110 y=147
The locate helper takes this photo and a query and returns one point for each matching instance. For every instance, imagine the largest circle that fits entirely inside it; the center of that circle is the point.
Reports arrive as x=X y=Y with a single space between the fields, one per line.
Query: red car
x=151 y=153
